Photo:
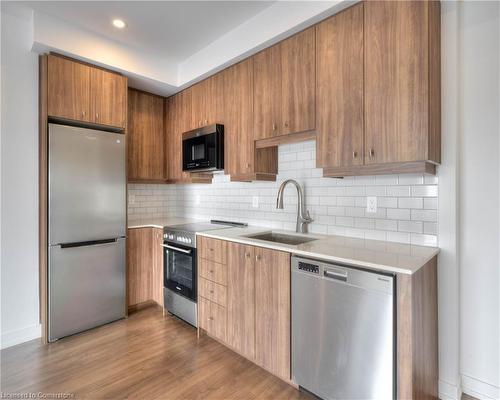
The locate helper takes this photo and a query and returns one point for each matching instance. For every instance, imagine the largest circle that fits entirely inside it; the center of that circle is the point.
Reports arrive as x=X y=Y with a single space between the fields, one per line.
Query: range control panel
x=308 y=267
x=185 y=238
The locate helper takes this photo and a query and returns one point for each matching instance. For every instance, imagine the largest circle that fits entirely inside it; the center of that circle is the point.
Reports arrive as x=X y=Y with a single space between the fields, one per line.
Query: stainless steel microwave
x=203 y=149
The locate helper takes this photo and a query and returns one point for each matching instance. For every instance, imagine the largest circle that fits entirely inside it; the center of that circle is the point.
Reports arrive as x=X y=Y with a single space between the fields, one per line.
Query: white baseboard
x=448 y=391
x=479 y=389
x=22 y=335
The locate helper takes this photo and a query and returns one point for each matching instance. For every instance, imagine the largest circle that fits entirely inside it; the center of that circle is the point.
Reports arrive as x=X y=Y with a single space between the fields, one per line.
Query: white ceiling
x=172 y=29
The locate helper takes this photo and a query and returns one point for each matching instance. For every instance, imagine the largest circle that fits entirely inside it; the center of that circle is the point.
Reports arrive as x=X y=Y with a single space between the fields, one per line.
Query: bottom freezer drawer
x=86 y=287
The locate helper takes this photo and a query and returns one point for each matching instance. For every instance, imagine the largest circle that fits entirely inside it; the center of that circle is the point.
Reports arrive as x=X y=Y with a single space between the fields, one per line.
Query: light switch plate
x=371 y=204
x=255 y=201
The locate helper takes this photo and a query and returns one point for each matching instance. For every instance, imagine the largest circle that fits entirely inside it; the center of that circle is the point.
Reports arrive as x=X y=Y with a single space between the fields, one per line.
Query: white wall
x=479 y=197
x=19 y=183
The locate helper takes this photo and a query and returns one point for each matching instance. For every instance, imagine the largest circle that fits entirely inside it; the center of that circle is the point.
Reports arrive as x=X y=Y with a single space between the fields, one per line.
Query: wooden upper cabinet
x=239 y=149
x=241 y=299
x=178 y=114
x=109 y=97
x=284 y=87
x=206 y=102
x=298 y=75
x=401 y=73
x=68 y=89
x=81 y=92
x=145 y=137
x=267 y=93
x=272 y=311
x=339 y=89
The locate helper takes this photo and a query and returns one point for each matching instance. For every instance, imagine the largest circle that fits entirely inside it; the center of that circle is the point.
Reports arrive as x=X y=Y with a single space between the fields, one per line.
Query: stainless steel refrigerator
x=87 y=227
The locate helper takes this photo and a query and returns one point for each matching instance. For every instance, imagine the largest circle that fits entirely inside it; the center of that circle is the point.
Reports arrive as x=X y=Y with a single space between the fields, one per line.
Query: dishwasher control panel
x=308 y=267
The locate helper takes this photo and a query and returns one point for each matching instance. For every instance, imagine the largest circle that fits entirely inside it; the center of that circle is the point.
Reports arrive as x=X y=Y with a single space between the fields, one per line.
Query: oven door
x=179 y=263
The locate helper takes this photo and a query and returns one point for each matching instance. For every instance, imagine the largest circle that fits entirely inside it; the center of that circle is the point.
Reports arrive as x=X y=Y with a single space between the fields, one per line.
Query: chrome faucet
x=303 y=217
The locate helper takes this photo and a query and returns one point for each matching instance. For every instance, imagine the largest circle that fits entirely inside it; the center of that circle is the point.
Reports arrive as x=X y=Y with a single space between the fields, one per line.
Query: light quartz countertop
x=159 y=222
x=371 y=254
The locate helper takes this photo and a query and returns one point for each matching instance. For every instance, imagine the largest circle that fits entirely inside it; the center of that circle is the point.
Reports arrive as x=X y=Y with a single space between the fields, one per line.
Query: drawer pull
x=210 y=318
x=211 y=271
x=211 y=291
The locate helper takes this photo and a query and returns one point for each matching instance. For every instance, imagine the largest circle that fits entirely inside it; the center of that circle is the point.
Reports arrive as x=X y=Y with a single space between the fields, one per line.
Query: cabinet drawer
x=213 y=249
x=212 y=318
x=213 y=271
x=212 y=291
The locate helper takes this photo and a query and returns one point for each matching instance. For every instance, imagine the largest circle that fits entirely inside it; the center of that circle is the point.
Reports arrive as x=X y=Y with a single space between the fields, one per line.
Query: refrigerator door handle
x=101 y=242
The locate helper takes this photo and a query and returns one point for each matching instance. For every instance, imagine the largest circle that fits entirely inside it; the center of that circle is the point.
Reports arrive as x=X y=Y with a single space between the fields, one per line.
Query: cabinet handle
x=354 y=154
x=211 y=271
x=372 y=152
x=274 y=126
x=211 y=249
x=247 y=255
x=83 y=114
x=286 y=124
x=199 y=123
x=210 y=318
x=96 y=115
x=211 y=291
x=258 y=257
x=206 y=121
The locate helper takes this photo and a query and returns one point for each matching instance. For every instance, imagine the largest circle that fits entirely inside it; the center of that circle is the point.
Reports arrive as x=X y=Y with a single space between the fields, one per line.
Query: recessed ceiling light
x=118 y=23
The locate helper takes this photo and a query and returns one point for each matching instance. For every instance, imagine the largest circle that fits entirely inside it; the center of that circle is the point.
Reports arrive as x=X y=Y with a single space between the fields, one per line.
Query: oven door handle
x=176 y=248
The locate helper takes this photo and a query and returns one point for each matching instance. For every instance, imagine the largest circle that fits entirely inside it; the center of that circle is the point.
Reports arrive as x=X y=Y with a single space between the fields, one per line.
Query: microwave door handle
x=176 y=249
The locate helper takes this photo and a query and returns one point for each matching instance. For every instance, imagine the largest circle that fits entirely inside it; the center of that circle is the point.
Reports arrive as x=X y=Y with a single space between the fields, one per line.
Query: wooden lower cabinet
x=144 y=266
x=254 y=317
x=241 y=299
x=272 y=311
x=212 y=318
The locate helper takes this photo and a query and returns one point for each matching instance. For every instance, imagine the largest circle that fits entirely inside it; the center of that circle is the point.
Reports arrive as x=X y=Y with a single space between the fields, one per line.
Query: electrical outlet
x=255 y=201
x=371 y=204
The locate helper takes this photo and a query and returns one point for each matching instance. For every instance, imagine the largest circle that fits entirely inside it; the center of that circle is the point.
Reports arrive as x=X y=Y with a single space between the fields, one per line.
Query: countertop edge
x=353 y=262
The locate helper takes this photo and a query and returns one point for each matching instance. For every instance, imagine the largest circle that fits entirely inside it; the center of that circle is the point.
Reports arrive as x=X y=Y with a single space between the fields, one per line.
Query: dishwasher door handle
x=335 y=275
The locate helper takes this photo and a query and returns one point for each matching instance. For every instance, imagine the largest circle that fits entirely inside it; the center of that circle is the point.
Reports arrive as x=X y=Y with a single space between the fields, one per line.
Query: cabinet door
x=241 y=299
x=298 y=74
x=203 y=104
x=239 y=157
x=178 y=121
x=68 y=89
x=272 y=311
x=396 y=81
x=267 y=92
x=339 y=101
x=157 y=271
x=139 y=265
x=109 y=98
x=145 y=135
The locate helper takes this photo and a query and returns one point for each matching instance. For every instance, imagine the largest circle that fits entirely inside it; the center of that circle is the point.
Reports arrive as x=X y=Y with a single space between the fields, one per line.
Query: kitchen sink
x=281 y=238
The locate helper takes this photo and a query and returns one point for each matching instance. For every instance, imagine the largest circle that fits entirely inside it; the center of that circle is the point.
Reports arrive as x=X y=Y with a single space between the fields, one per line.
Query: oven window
x=198 y=152
x=180 y=269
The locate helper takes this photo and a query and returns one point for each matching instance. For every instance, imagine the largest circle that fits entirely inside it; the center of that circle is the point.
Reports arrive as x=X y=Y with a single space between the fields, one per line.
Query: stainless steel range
x=179 y=263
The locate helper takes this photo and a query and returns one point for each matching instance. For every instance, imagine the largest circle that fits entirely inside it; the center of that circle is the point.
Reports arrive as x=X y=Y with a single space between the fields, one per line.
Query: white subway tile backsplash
x=407 y=204
x=411 y=202
x=397 y=213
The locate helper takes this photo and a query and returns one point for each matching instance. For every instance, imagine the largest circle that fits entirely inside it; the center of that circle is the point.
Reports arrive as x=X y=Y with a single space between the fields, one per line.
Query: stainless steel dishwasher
x=343 y=343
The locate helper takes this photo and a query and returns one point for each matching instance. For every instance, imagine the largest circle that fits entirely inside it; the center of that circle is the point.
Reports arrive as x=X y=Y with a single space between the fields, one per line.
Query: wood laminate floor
x=146 y=356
